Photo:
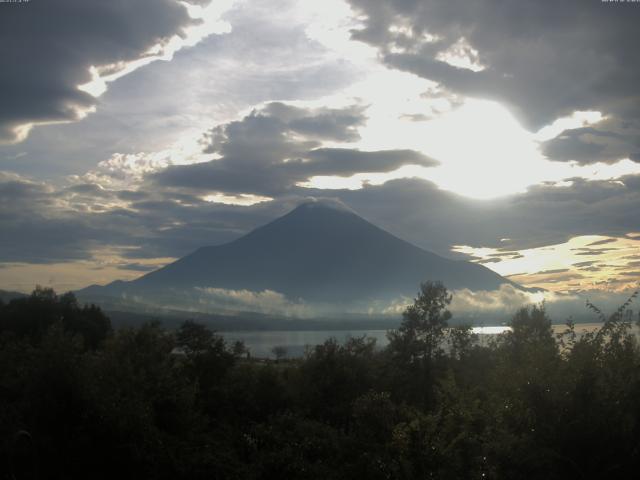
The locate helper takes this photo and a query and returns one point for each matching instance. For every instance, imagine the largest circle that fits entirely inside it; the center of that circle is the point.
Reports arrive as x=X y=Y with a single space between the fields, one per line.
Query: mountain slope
x=6 y=296
x=319 y=253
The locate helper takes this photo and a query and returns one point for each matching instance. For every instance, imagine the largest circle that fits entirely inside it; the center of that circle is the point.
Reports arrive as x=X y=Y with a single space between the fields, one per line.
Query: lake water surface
x=262 y=343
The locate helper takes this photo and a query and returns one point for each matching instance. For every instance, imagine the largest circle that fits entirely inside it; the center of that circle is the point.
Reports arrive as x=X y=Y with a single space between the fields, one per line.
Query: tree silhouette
x=421 y=334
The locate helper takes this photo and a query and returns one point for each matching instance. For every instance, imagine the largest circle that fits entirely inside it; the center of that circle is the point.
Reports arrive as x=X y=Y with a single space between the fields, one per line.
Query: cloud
x=585 y=264
x=502 y=303
x=545 y=63
x=266 y=301
x=39 y=226
x=593 y=252
x=545 y=215
x=46 y=224
x=48 y=49
x=322 y=123
x=266 y=55
x=558 y=267
x=160 y=221
x=138 y=267
x=271 y=150
x=555 y=270
x=506 y=299
x=602 y=242
x=608 y=141
x=493 y=306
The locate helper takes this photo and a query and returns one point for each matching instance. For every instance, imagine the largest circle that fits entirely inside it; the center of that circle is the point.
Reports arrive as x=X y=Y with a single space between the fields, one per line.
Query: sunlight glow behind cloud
x=241 y=199
x=484 y=152
x=575 y=120
x=588 y=262
x=461 y=55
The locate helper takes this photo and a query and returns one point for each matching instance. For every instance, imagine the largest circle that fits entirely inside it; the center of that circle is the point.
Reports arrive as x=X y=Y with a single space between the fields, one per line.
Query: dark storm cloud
x=132 y=195
x=321 y=123
x=270 y=150
x=543 y=59
x=572 y=146
x=166 y=227
x=47 y=48
x=608 y=141
x=41 y=224
x=435 y=219
x=30 y=233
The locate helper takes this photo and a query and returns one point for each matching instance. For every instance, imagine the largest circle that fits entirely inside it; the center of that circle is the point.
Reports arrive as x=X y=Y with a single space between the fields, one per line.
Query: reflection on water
x=490 y=330
x=261 y=344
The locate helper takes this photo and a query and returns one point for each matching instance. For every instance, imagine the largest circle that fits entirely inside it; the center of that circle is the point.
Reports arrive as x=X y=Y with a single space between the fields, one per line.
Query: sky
x=505 y=133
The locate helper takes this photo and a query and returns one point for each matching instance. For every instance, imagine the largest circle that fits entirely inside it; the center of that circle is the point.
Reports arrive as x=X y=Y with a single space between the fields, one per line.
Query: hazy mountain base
x=248 y=321
x=78 y=400
x=238 y=310
x=6 y=295
x=129 y=312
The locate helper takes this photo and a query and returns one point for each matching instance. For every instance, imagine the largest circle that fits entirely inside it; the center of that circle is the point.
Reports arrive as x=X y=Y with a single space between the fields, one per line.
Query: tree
x=461 y=341
x=31 y=317
x=333 y=375
x=424 y=324
x=207 y=360
x=196 y=339
x=279 y=352
x=531 y=333
x=416 y=348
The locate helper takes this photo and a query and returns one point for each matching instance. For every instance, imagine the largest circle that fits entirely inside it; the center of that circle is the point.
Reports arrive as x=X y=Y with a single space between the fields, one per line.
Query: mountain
x=319 y=252
x=6 y=296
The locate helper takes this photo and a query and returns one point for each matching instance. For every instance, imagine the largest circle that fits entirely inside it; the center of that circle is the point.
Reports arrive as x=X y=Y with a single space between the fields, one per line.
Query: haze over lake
x=261 y=344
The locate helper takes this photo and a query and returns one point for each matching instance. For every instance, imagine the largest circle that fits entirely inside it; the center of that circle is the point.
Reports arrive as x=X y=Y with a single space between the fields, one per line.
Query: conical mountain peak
x=321 y=251
x=320 y=204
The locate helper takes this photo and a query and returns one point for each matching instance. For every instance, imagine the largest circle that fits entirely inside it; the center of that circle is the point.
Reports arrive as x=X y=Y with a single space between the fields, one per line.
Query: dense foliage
x=78 y=400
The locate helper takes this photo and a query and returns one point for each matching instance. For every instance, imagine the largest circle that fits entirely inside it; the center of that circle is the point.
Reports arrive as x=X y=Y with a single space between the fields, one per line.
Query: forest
x=80 y=399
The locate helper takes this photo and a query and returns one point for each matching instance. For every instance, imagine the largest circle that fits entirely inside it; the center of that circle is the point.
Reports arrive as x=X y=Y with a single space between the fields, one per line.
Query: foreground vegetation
x=78 y=400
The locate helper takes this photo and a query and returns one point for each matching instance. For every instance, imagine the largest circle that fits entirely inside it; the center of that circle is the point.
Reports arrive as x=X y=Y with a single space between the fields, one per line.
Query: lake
x=261 y=343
